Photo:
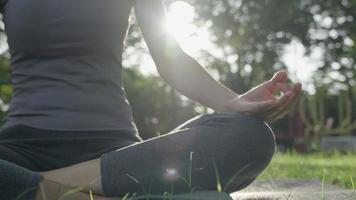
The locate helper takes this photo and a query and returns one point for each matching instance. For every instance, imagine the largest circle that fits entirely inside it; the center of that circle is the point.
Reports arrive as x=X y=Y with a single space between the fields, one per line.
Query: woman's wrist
x=227 y=105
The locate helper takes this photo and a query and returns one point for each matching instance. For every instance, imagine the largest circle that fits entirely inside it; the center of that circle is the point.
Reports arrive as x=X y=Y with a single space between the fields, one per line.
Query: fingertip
x=291 y=95
x=283 y=73
x=280 y=76
x=298 y=88
x=299 y=85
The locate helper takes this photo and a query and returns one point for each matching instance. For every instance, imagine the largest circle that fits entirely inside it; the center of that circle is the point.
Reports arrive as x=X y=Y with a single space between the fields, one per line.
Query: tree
x=255 y=32
x=156 y=107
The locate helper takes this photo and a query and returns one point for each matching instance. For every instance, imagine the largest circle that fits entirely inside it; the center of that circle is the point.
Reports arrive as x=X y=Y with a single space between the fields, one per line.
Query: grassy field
x=338 y=169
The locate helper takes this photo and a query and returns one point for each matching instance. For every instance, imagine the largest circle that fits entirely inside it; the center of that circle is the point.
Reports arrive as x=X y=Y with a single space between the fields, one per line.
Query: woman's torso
x=66 y=64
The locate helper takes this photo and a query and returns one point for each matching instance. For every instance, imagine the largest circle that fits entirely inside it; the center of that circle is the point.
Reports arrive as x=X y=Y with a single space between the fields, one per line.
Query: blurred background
x=243 y=43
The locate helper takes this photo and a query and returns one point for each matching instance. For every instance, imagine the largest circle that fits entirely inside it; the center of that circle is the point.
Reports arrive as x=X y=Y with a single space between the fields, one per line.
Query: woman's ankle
x=52 y=190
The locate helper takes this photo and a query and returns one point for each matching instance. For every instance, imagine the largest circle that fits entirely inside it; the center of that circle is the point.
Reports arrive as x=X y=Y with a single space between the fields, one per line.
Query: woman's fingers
x=262 y=109
x=283 y=110
x=281 y=102
x=261 y=102
x=255 y=108
x=297 y=89
x=279 y=107
x=281 y=113
x=283 y=87
x=262 y=106
x=279 y=78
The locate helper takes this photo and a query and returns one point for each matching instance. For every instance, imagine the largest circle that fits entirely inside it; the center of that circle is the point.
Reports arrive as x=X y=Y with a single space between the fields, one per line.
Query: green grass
x=339 y=169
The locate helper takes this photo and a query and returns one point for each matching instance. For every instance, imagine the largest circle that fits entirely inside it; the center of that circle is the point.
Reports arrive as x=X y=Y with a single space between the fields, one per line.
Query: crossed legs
x=235 y=147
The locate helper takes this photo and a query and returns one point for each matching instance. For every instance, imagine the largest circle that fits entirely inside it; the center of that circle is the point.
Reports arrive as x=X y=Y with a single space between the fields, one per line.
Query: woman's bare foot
x=85 y=174
x=49 y=190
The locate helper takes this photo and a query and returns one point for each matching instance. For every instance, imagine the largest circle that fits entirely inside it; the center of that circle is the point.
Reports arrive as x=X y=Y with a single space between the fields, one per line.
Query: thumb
x=280 y=77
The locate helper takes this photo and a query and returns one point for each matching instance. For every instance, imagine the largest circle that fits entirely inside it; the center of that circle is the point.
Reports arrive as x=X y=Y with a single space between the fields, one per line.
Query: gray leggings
x=229 y=148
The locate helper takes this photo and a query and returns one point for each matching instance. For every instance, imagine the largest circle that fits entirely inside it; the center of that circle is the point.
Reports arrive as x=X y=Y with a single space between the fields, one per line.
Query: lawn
x=338 y=169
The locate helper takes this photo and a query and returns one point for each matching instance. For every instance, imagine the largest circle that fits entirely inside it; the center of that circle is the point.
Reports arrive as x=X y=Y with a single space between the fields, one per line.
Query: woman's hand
x=262 y=101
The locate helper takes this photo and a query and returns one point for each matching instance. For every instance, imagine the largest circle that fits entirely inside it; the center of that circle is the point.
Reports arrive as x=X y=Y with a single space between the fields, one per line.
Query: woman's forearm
x=188 y=77
x=180 y=70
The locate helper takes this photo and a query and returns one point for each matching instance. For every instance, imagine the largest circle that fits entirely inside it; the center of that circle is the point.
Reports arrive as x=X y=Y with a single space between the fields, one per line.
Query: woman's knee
x=241 y=134
x=260 y=141
x=247 y=146
x=264 y=141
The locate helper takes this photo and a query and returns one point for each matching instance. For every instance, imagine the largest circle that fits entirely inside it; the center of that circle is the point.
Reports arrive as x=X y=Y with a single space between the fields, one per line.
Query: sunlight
x=180 y=24
x=179 y=19
x=301 y=66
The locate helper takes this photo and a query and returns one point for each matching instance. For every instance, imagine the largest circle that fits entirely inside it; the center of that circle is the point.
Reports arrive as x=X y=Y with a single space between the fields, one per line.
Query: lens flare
x=171 y=174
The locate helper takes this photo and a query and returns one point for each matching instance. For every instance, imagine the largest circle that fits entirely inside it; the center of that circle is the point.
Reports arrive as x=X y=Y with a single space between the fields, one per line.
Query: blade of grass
x=186 y=182
x=190 y=170
x=126 y=196
x=217 y=175
x=26 y=192
x=233 y=178
x=133 y=178
x=136 y=180
x=323 y=186
x=71 y=192
x=172 y=190
x=353 y=184
x=91 y=195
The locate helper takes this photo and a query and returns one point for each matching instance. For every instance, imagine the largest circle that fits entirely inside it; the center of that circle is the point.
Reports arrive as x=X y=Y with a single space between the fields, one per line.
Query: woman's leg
x=235 y=146
x=44 y=150
x=19 y=183
x=16 y=180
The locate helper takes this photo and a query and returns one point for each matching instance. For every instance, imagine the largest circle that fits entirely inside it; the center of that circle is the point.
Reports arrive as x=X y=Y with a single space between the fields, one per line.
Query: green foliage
x=254 y=30
x=156 y=107
x=5 y=86
x=257 y=31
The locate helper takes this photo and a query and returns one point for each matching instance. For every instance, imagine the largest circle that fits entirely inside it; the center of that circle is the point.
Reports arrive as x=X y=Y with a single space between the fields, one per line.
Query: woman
x=69 y=112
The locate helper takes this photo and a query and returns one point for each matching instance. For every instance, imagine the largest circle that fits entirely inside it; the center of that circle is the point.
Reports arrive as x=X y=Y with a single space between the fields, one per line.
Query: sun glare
x=180 y=24
x=179 y=19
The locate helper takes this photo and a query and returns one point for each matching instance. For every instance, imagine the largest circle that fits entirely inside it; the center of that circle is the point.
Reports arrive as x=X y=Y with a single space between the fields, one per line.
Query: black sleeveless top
x=66 y=64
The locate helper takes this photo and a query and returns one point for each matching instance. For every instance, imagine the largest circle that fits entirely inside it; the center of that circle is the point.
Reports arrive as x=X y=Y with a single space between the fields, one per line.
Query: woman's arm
x=178 y=69
x=187 y=76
